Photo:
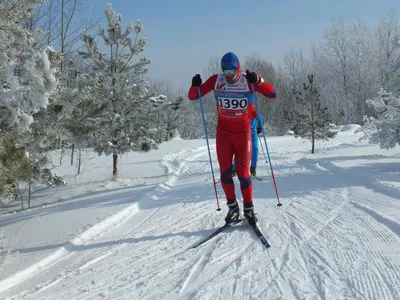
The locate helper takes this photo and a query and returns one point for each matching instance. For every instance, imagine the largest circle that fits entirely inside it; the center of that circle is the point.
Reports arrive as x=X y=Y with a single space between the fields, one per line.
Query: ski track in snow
x=173 y=163
x=326 y=243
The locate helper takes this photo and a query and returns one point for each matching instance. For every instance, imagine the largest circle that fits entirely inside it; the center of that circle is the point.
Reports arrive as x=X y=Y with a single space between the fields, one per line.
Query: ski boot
x=249 y=214
x=233 y=213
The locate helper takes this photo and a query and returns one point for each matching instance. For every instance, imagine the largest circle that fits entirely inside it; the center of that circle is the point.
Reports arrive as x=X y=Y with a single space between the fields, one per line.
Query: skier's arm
x=265 y=89
x=205 y=88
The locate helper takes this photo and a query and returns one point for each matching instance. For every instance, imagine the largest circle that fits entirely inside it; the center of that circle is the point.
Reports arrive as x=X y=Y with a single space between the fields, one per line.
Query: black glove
x=259 y=129
x=196 y=80
x=251 y=77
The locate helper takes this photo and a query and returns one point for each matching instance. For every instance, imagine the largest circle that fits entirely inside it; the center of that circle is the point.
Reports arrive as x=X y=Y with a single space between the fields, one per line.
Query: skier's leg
x=234 y=167
x=243 y=155
x=243 y=151
x=254 y=152
x=225 y=156
x=225 y=152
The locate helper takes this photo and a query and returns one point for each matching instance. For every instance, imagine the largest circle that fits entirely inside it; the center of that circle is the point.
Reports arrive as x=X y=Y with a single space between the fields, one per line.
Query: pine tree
x=27 y=77
x=312 y=120
x=382 y=119
x=172 y=116
x=127 y=121
x=14 y=167
x=394 y=80
x=27 y=82
x=80 y=98
x=382 y=122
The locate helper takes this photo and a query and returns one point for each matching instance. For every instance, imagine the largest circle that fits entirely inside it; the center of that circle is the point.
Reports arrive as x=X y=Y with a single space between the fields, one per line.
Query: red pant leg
x=225 y=154
x=242 y=150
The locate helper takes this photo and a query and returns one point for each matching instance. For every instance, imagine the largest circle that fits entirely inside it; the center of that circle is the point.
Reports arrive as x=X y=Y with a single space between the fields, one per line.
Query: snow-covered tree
x=125 y=123
x=27 y=78
x=62 y=23
x=25 y=161
x=382 y=119
x=77 y=99
x=27 y=82
x=363 y=73
x=295 y=67
x=312 y=120
x=213 y=66
x=394 y=79
x=14 y=167
x=382 y=125
x=387 y=46
x=346 y=65
x=334 y=63
x=172 y=115
x=272 y=111
x=209 y=106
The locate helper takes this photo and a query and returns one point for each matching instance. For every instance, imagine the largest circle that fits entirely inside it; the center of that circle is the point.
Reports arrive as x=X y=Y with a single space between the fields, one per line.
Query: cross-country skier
x=234 y=97
x=256 y=124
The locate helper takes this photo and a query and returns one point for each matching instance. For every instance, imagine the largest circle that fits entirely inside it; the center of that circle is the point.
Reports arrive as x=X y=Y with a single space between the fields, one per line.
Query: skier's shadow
x=70 y=246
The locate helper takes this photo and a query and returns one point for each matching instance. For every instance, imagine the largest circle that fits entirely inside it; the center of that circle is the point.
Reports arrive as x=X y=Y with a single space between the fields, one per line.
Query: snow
x=337 y=235
x=350 y=127
x=346 y=128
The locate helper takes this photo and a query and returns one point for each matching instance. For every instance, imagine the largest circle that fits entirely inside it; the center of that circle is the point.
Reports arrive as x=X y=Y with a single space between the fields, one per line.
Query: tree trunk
x=115 y=156
x=22 y=201
x=312 y=121
x=62 y=154
x=312 y=144
x=115 y=165
x=29 y=195
x=72 y=154
x=79 y=161
x=62 y=37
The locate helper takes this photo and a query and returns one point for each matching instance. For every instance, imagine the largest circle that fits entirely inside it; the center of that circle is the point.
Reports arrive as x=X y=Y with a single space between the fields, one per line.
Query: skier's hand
x=253 y=114
x=196 y=80
x=259 y=130
x=251 y=77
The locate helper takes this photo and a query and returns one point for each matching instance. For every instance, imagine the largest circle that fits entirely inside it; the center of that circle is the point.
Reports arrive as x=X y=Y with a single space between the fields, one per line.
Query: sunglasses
x=230 y=71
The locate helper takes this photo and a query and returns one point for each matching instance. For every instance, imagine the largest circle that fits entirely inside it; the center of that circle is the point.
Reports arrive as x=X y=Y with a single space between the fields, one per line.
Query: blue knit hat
x=230 y=61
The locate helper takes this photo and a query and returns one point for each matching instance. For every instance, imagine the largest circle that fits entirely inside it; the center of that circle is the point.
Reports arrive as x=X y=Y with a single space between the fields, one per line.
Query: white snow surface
x=336 y=236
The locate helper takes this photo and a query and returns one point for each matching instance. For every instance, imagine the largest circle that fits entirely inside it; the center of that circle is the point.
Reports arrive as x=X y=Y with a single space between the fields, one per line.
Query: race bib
x=232 y=103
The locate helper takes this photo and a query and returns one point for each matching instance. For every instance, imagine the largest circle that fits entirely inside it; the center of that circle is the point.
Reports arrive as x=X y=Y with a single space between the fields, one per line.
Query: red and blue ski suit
x=255 y=123
x=234 y=103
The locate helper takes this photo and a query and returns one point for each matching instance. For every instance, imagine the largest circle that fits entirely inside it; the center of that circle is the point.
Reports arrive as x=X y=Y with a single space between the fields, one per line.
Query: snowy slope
x=337 y=235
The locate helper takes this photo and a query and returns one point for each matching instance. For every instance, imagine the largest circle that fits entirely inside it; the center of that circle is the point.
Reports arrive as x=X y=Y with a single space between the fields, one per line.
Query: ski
x=216 y=232
x=256 y=177
x=260 y=236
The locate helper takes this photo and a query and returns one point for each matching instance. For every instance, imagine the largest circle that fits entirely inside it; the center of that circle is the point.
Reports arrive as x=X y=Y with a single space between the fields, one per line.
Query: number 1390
x=231 y=103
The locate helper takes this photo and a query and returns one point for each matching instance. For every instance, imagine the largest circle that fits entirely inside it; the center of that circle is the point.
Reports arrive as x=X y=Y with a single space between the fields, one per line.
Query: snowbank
x=350 y=128
x=346 y=128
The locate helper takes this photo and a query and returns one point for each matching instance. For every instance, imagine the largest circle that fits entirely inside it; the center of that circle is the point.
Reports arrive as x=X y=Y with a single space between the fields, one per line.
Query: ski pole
x=208 y=147
x=265 y=157
x=266 y=147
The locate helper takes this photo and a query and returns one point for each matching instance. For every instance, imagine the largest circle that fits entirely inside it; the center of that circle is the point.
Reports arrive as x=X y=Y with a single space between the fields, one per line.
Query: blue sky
x=183 y=35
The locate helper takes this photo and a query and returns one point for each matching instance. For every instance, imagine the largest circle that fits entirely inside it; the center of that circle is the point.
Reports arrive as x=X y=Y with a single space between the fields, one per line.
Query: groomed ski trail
x=105 y=237
x=327 y=243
